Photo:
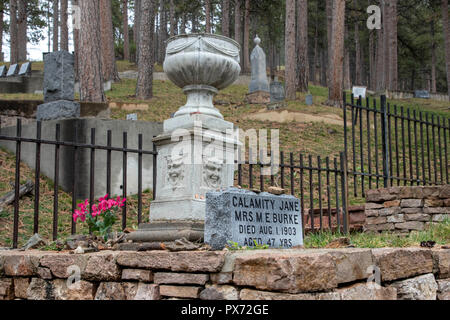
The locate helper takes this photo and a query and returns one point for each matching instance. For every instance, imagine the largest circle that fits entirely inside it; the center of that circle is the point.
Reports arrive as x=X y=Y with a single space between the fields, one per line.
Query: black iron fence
x=393 y=146
x=383 y=146
x=77 y=148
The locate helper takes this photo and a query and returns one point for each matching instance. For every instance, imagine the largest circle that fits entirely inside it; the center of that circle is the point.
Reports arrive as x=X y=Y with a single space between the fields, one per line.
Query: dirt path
x=286 y=116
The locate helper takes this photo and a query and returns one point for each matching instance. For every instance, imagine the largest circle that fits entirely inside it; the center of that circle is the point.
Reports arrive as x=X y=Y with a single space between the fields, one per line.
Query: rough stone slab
x=137 y=274
x=389 y=211
x=402 y=263
x=412 y=210
x=59 y=263
x=444 y=192
x=195 y=261
x=440 y=210
x=59 y=76
x=61 y=109
x=396 y=218
x=364 y=291
x=222 y=277
x=290 y=273
x=255 y=295
x=7 y=288
x=219 y=292
x=352 y=264
x=441 y=260
x=372 y=213
x=44 y=273
x=102 y=267
x=116 y=291
x=410 y=225
x=440 y=217
x=412 y=203
x=180 y=278
x=82 y=290
x=377 y=220
x=380 y=227
x=21 y=287
x=40 y=289
x=419 y=288
x=373 y=206
x=180 y=291
x=146 y=291
x=19 y=264
x=443 y=289
x=418 y=217
x=393 y=203
x=243 y=217
x=433 y=203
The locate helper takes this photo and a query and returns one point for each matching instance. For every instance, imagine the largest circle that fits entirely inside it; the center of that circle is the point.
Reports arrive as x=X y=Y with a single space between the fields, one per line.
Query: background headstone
x=277 y=93
x=424 y=94
x=132 y=116
x=259 y=81
x=359 y=91
x=3 y=71
x=25 y=69
x=58 y=110
x=309 y=100
x=59 y=76
x=242 y=216
x=13 y=70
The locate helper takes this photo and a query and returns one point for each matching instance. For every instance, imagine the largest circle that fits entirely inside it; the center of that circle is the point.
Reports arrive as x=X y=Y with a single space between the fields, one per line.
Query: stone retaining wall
x=340 y=274
x=403 y=209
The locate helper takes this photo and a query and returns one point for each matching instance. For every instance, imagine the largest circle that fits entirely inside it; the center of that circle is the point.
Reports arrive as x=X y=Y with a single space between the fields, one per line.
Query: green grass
x=438 y=232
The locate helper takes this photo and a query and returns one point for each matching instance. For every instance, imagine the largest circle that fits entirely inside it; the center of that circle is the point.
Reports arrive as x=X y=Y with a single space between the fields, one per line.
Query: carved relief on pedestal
x=175 y=171
x=212 y=172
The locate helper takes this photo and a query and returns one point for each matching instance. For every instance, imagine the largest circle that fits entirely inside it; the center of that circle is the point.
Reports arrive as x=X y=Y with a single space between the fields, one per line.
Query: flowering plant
x=105 y=209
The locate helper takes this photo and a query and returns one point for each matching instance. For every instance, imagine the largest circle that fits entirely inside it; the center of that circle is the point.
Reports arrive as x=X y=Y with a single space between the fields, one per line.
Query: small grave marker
x=359 y=92
x=13 y=70
x=277 y=91
x=3 y=71
x=132 y=116
x=25 y=69
x=244 y=217
x=309 y=100
x=424 y=94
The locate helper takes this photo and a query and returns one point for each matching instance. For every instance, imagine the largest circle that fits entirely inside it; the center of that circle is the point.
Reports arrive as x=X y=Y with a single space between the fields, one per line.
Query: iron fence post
x=344 y=186
x=384 y=135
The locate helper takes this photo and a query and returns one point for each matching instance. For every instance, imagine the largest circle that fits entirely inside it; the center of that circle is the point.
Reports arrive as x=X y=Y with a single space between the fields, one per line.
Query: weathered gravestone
x=309 y=100
x=423 y=94
x=276 y=91
x=13 y=70
x=3 y=71
x=246 y=218
x=25 y=69
x=59 y=81
x=259 y=84
x=359 y=92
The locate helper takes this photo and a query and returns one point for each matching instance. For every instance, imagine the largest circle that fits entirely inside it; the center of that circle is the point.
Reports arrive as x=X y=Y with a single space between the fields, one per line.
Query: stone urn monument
x=196 y=151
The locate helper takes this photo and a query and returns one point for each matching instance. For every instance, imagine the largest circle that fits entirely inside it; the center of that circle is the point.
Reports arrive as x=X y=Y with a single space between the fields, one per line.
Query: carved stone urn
x=201 y=64
x=195 y=151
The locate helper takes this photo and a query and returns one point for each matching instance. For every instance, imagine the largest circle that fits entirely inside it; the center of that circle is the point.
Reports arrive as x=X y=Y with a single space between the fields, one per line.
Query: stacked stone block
x=404 y=209
x=340 y=274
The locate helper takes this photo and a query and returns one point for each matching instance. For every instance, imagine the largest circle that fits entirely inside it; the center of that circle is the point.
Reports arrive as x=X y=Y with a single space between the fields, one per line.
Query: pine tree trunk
x=76 y=44
x=290 y=56
x=14 y=45
x=372 y=77
x=337 y=59
x=393 y=46
x=22 y=29
x=446 y=32
x=226 y=18
x=347 y=81
x=64 y=26
x=90 y=58
x=107 y=42
x=173 y=21
x=144 y=88
x=238 y=24
x=329 y=11
x=358 y=67
x=1 y=31
x=136 y=27
x=387 y=51
x=162 y=31
x=316 y=69
x=380 y=66
x=126 y=34
x=208 y=15
x=246 y=52
x=302 y=43
x=433 y=58
x=55 y=25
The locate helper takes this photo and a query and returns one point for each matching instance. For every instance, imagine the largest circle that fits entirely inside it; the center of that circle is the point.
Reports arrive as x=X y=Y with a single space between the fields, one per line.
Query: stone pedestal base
x=258 y=97
x=161 y=231
x=60 y=109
